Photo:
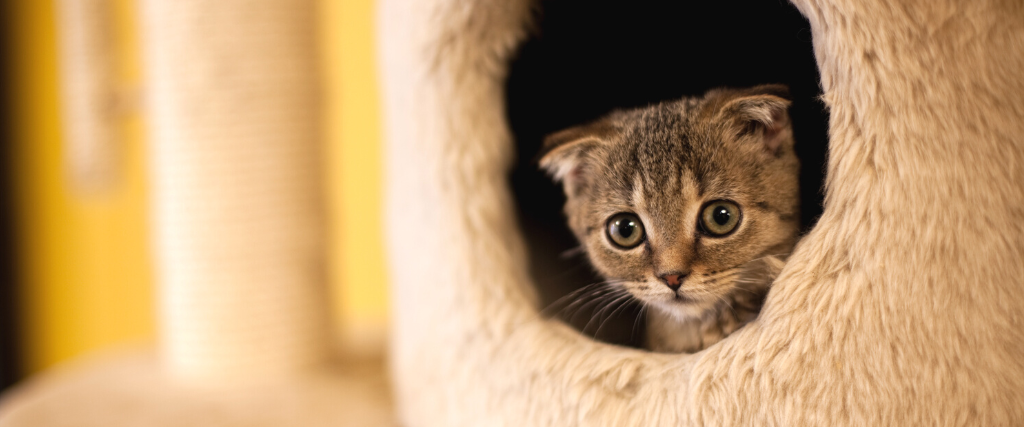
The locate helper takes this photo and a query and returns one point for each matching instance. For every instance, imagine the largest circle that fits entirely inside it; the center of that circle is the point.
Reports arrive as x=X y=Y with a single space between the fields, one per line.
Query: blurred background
x=76 y=269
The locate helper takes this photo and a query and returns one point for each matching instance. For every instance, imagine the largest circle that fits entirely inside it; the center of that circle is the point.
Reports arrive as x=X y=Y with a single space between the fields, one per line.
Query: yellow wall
x=85 y=267
x=84 y=264
x=354 y=172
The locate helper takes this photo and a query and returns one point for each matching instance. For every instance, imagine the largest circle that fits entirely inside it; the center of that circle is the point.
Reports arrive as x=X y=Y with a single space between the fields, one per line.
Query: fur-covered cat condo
x=900 y=307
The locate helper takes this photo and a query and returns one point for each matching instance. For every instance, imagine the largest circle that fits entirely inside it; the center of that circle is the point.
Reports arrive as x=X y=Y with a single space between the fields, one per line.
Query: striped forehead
x=662 y=192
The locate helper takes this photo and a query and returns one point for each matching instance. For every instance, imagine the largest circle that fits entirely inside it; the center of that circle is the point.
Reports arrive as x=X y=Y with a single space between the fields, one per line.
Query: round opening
x=584 y=58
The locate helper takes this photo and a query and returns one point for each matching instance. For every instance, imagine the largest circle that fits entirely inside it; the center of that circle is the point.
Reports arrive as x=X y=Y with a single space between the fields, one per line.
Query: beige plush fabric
x=901 y=307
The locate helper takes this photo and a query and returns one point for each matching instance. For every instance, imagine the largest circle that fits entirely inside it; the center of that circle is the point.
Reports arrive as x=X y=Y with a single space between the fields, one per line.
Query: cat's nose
x=673 y=280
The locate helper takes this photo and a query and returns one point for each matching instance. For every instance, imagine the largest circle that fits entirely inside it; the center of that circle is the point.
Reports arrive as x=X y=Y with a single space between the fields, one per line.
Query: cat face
x=679 y=202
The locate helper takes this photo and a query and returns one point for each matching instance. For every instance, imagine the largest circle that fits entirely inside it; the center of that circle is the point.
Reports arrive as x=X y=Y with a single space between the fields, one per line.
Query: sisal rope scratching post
x=237 y=197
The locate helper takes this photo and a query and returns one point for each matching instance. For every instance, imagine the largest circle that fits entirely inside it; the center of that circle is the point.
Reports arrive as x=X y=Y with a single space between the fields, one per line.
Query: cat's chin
x=681 y=307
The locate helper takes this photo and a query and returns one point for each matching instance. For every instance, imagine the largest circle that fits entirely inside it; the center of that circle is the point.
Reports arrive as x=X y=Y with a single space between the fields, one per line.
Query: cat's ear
x=761 y=112
x=564 y=153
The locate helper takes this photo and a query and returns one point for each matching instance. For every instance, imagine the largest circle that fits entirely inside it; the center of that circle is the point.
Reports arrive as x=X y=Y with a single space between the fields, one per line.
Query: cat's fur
x=665 y=163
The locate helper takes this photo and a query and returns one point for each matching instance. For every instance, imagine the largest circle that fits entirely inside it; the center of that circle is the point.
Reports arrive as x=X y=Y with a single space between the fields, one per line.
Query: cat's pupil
x=721 y=216
x=626 y=228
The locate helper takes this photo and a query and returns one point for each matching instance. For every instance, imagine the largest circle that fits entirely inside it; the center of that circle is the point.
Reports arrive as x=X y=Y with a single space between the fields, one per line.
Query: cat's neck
x=668 y=333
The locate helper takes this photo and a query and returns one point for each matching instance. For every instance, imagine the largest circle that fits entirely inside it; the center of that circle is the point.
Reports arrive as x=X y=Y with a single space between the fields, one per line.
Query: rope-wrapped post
x=238 y=206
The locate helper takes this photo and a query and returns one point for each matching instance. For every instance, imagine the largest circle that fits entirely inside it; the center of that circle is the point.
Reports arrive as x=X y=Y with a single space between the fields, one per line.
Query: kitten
x=689 y=205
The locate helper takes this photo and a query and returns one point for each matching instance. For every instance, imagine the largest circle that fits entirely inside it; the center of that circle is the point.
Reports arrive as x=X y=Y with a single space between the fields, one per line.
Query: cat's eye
x=625 y=230
x=719 y=218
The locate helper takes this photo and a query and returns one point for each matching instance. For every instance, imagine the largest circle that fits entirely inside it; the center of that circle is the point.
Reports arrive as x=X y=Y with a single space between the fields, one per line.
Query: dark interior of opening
x=585 y=58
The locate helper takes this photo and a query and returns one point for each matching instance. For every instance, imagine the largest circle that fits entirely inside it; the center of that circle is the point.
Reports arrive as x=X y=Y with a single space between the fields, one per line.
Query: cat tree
x=901 y=307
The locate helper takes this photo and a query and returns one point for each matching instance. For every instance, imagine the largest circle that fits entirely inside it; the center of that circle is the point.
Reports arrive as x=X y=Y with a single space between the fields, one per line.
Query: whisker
x=618 y=298
x=624 y=304
x=577 y=294
x=593 y=287
x=636 y=322
x=595 y=297
x=746 y=290
x=727 y=304
x=572 y=252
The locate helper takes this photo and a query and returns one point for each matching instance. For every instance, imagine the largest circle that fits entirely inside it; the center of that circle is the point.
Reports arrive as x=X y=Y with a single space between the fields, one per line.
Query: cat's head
x=678 y=202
